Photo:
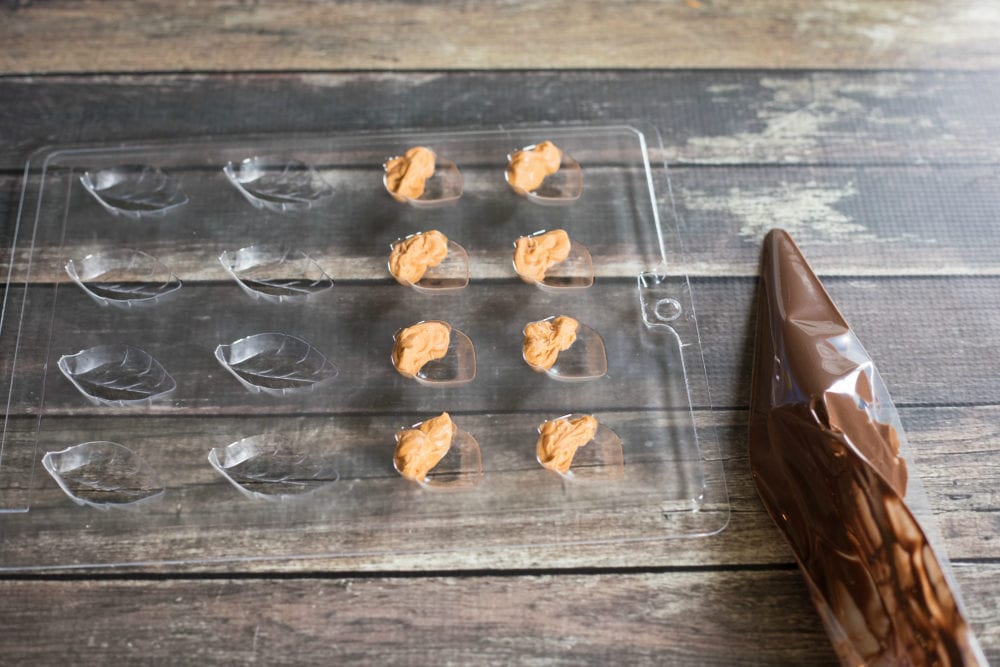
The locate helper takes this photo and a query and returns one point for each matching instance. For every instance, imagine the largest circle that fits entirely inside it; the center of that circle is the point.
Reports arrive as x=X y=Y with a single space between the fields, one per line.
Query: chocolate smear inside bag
x=824 y=447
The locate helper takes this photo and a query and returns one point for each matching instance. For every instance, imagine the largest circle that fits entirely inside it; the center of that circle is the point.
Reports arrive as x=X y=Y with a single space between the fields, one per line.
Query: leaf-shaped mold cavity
x=119 y=375
x=271 y=467
x=275 y=363
x=134 y=190
x=279 y=184
x=275 y=273
x=103 y=474
x=123 y=278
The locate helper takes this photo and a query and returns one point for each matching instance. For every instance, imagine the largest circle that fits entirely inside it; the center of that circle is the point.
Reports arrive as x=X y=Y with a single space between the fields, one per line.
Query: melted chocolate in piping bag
x=824 y=453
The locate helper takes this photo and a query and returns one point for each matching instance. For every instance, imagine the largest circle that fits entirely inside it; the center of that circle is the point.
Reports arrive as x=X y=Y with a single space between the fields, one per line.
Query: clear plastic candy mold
x=123 y=278
x=273 y=467
x=444 y=187
x=601 y=458
x=275 y=273
x=103 y=474
x=573 y=273
x=450 y=275
x=277 y=184
x=276 y=363
x=117 y=375
x=461 y=468
x=134 y=190
x=559 y=189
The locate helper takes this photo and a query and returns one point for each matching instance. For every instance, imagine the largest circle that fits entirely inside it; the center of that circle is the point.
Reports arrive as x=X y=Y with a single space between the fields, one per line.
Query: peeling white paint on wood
x=341 y=79
x=807 y=210
x=802 y=113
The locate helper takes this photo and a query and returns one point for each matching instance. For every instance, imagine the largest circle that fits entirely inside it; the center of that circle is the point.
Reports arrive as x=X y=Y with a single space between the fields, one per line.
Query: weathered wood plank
x=370 y=509
x=929 y=337
x=350 y=235
x=678 y=618
x=155 y=35
x=862 y=222
x=859 y=222
x=353 y=325
x=714 y=117
x=955 y=452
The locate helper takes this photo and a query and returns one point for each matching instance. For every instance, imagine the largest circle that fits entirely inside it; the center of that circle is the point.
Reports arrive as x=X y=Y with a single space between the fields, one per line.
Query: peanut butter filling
x=419 y=449
x=534 y=255
x=528 y=168
x=410 y=258
x=545 y=339
x=416 y=345
x=405 y=176
x=559 y=439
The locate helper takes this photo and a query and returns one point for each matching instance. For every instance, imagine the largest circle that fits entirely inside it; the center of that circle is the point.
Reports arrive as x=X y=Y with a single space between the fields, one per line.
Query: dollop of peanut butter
x=410 y=258
x=545 y=339
x=534 y=255
x=528 y=168
x=419 y=449
x=559 y=439
x=416 y=345
x=405 y=176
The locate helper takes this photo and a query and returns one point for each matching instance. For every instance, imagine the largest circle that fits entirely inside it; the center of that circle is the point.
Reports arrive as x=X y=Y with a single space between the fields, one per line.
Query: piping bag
x=824 y=450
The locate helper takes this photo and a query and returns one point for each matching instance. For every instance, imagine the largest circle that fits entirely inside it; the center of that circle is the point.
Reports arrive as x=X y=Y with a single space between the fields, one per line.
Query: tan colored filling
x=544 y=340
x=405 y=176
x=417 y=345
x=410 y=258
x=559 y=439
x=528 y=168
x=419 y=449
x=534 y=255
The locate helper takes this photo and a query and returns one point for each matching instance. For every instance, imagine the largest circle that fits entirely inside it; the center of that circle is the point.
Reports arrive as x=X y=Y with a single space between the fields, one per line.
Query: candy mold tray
x=196 y=336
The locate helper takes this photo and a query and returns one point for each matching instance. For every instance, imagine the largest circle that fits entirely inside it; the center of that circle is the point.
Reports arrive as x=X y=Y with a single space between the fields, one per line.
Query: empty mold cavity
x=276 y=363
x=275 y=273
x=278 y=184
x=123 y=278
x=134 y=190
x=118 y=375
x=103 y=474
x=271 y=467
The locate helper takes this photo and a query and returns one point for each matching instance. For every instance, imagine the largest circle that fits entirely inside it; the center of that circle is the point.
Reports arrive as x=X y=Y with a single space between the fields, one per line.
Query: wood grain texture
x=956 y=460
x=706 y=118
x=901 y=321
x=875 y=162
x=677 y=618
x=224 y=35
x=862 y=222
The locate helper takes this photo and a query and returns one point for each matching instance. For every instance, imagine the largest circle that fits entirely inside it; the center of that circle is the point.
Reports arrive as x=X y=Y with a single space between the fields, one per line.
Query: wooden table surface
x=878 y=150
